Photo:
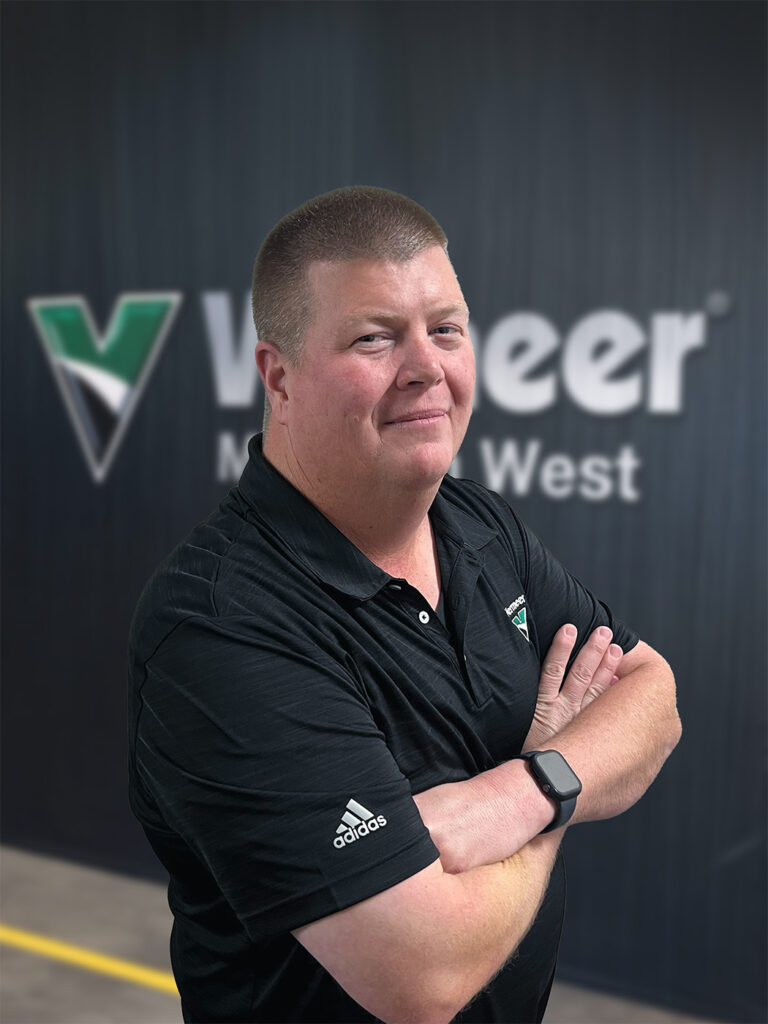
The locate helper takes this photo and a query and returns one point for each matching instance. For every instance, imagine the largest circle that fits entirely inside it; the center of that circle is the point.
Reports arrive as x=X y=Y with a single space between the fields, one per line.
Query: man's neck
x=389 y=525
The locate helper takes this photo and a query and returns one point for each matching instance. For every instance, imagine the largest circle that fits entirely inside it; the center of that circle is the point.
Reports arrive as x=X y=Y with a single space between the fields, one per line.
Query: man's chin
x=422 y=470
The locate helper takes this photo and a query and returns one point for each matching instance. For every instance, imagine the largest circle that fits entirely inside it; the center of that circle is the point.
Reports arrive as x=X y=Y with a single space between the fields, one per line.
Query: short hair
x=356 y=222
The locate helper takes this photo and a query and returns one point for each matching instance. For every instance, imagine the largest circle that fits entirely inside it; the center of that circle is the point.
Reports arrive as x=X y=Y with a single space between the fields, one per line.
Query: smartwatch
x=556 y=778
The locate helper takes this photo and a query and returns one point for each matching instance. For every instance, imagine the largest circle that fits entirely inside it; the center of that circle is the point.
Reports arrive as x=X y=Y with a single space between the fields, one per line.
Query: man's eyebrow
x=459 y=307
x=381 y=317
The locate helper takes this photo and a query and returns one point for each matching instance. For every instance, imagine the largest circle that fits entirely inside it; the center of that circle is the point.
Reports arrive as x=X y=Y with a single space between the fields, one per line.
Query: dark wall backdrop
x=600 y=170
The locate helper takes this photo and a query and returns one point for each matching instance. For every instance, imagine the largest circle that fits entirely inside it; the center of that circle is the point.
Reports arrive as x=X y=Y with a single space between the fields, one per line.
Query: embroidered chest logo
x=356 y=823
x=521 y=619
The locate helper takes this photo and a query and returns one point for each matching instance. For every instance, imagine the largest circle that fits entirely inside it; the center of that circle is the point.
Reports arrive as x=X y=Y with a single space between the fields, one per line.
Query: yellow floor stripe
x=88 y=960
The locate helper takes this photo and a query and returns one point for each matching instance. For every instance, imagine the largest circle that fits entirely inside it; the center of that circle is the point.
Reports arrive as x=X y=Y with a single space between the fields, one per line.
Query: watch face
x=554 y=771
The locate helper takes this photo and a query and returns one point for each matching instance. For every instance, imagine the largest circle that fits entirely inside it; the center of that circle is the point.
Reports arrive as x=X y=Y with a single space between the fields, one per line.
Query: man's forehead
x=378 y=276
x=375 y=314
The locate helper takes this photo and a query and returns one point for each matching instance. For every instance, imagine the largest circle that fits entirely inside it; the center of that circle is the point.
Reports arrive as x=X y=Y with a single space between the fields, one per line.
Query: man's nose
x=420 y=366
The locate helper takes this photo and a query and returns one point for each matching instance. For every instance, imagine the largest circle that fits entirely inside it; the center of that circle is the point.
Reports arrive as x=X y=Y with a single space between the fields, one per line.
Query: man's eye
x=370 y=339
x=446 y=329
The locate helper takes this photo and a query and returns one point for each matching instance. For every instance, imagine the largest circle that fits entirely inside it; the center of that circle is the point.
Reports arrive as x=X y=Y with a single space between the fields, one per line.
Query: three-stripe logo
x=356 y=823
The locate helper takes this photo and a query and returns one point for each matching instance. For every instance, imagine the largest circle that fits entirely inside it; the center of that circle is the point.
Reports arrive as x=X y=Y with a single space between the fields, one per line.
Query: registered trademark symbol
x=718 y=304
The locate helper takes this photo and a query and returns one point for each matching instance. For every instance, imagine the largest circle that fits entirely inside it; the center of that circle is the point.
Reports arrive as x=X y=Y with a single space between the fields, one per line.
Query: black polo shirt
x=287 y=699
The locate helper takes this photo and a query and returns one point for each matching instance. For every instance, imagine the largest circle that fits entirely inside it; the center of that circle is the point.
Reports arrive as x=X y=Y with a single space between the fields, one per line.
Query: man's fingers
x=553 y=668
x=587 y=663
x=605 y=676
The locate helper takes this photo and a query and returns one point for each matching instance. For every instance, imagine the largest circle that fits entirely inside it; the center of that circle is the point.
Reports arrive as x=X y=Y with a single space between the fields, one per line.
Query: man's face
x=383 y=391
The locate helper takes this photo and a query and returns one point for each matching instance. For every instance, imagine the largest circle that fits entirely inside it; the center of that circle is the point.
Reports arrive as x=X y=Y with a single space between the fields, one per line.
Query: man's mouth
x=421 y=417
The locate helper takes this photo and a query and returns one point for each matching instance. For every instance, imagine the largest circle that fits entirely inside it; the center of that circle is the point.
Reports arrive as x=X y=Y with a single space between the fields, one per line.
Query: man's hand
x=592 y=673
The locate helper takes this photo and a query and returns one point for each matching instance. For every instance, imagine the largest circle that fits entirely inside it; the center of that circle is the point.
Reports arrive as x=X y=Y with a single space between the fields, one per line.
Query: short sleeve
x=555 y=596
x=262 y=754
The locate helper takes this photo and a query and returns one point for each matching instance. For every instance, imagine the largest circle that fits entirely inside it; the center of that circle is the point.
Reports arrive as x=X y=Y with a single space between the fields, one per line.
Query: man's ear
x=272 y=364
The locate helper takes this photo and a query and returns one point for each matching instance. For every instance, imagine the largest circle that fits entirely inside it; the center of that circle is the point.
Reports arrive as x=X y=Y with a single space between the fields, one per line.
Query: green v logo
x=521 y=623
x=102 y=377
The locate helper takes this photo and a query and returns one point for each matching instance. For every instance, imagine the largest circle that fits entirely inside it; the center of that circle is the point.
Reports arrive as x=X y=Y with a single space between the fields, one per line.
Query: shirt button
x=424 y=617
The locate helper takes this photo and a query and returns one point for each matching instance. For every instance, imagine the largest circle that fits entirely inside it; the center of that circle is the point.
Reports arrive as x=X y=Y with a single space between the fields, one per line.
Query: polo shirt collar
x=324 y=550
x=451 y=521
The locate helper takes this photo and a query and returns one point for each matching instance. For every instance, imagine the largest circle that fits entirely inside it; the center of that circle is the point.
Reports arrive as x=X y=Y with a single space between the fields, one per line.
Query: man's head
x=375 y=396
x=357 y=222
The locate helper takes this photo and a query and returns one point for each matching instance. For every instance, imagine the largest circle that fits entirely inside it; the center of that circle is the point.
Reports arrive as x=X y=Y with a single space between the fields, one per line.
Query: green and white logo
x=102 y=377
x=521 y=623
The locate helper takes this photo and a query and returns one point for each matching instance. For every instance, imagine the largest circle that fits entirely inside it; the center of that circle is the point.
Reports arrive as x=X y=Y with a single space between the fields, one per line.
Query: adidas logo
x=521 y=619
x=356 y=823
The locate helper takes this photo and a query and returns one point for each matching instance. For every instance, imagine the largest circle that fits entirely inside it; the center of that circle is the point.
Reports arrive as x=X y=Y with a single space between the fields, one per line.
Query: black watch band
x=557 y=780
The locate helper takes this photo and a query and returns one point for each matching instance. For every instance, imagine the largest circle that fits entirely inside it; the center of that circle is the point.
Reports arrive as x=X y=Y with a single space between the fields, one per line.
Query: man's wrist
x=519 y=807
x=540 y=809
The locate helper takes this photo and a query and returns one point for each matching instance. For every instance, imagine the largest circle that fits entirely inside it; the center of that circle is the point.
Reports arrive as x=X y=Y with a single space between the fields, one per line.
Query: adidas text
x=359 y=831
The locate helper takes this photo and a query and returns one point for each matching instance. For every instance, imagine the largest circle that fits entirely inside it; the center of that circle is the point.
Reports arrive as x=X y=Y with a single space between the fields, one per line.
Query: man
x=334 y=676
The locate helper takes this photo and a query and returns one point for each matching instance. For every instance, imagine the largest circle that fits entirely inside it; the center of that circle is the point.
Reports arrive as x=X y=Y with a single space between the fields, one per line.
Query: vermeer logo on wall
x=598 y=369
x=102 y=376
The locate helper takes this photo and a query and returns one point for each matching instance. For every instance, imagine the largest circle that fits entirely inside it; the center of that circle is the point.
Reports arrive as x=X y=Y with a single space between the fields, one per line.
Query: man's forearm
x=496 y=909
x=619 y=743
x=418 y=952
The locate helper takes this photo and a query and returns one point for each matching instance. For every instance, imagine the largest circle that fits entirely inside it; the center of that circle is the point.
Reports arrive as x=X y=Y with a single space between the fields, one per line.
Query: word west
x=519 y=469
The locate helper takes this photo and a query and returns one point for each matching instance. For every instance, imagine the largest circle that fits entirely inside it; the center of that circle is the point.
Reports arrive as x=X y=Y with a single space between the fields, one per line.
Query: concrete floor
x=130 y=919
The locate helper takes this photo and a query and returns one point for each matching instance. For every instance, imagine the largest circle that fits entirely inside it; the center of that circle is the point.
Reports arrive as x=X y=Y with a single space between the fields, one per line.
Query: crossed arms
x=420 y=950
